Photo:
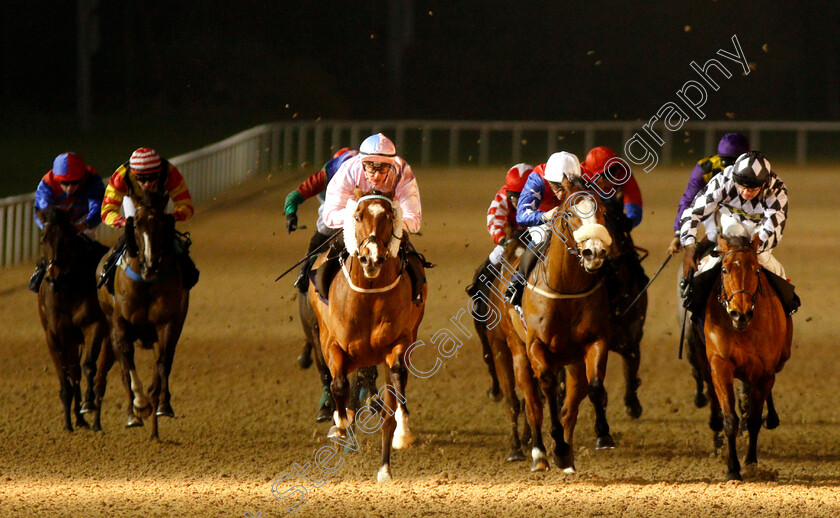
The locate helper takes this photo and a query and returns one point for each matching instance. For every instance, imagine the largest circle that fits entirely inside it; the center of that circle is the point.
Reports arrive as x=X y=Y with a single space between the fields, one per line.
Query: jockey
x=378 y=167
x=612 y=179
x=501 y=218
x=315 y=185
x=146 y=171
x=752 y=201
x=75 y=187
x=542 y=195
x=730 y=147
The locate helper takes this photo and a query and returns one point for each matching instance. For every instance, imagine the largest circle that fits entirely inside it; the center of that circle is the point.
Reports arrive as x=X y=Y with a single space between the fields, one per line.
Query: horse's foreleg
x=75 y=373
x=562 y=452
x=168 y=339
x=576 y=391
x=94 y=334
x=596 y=369
x=533 y=405
x=504 y=371
x=340 y=390
x=124 y=351
x=772 y=420
x=722 y=377
x=632 y=359
x=495 y=391
x=403 y=437
x=65 y=390
x=758 y=395
x=699 y=367
x=104 y=364
x=387 y=432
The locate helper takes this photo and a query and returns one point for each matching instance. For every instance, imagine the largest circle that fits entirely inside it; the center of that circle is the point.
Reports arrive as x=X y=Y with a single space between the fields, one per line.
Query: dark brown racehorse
x=70 y=314
x=370 y=318
x=567 y=319
x=748 y=336
x=149 y=304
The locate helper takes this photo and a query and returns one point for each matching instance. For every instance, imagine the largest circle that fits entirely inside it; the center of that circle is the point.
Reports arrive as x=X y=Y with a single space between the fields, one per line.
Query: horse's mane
x=151 y=199
x=53 y=215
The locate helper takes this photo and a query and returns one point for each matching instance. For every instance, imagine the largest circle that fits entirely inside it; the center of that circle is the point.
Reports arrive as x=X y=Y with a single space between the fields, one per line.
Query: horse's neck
x=563 y=269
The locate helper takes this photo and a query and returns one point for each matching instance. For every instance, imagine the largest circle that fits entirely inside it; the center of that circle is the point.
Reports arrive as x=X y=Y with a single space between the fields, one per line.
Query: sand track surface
x=245 y=410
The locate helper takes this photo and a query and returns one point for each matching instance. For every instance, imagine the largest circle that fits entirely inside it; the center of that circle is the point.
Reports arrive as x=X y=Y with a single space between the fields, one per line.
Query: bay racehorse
x=370 y=318
x=74 y=324
x=748 y=336
x=566 y=314
x=149 y=304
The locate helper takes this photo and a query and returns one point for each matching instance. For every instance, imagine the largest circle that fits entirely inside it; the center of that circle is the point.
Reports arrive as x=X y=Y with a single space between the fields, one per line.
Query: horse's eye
x=357 y=218
x=723 y=270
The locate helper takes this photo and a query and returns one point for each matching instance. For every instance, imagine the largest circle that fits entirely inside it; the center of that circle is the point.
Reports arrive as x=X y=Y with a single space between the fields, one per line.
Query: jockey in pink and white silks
x=376 y=167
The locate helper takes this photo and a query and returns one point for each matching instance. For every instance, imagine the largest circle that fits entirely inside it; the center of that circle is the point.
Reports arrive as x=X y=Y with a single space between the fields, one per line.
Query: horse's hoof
x=81 y=423
x=324 y=414
x=401 y=442
x=604 y=443
x=384 y=474
x=515 y=455
x=133 y=422
x=88 y=407
x=96 y=427
x=700 y=399
x=145 y=411
x=733 y=476
x=633 y=408
x=494 y=393
x=305 y=361
x=771 y=421
x=540 y=464
x=164 y=410
x=570 y=470
x=337 y=433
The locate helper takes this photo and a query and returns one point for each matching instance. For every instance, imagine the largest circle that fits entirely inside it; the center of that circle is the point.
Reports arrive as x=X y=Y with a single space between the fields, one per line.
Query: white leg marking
x=384 y=474
x=140 y=400
x=402 y=435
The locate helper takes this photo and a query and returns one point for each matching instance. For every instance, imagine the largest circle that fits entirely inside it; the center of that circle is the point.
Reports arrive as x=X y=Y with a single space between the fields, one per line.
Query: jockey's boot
x=302 y=281
x=787 y=296
x=414 y=264
x=106 y=277
x=189 y=273
x=325 y=273
x=701 y=286
x=514 y=292
x=38 y=275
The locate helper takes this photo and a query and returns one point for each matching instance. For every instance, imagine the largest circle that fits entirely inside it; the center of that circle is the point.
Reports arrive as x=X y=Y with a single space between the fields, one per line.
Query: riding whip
x=309 y=255
x=647 y=285
x=685 y=288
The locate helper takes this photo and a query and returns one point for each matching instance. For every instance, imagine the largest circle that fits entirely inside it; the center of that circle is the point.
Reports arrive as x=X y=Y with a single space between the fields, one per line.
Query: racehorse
x=566 y=313
x=370 y=318
x=149 y=304
x=70 y=314
x=748 y=336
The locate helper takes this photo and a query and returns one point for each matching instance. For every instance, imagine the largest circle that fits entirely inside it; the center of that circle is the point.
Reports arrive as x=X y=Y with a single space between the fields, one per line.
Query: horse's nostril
x=602 y=254
x=749 y=314
x=587 y=253
x=380 y=260
x=734 y=314
x=363 y=259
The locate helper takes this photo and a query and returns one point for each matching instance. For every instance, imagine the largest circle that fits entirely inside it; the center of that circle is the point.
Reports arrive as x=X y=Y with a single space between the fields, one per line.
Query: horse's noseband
x=375 y=238
x=725 y=300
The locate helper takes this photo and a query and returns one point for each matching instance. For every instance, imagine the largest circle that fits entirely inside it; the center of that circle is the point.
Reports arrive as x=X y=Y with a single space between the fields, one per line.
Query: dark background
x=181 y=74
x=529 y=60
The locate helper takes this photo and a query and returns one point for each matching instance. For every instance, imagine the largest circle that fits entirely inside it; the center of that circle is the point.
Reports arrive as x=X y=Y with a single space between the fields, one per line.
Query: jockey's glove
x=291 y=222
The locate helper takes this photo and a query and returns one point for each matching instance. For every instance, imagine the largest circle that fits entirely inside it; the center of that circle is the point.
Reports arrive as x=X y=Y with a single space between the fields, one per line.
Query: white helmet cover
x=378 y=148
x=562 y=165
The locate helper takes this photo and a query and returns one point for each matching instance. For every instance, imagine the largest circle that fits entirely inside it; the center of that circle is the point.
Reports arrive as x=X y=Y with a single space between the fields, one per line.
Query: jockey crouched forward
x=542 y=195
x=146 y=171
x=378 y=167
x=752 y=202
x=73 y=186
x=501 y=222
x=315 y=185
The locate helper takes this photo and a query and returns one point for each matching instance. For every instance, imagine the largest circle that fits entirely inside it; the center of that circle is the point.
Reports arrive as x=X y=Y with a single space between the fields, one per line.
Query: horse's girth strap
x=367 y=290
x=565 y=295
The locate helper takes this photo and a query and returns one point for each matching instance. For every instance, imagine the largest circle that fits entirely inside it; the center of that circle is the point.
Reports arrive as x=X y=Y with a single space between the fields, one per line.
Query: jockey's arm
x=632 y=201
x=527 y=212
x=95 y=194
x=497 y=216
x=339 y=190
x=775 y=216
x=696 y=183
x=179 y=194
x=43 y=199
x=310 y=187
x=112 y=201
x=408 y=196
x=705 y=203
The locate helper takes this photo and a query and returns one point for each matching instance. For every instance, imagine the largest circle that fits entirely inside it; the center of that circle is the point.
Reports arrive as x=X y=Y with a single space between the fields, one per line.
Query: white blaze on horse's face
x=372 y=248
x=592 y=238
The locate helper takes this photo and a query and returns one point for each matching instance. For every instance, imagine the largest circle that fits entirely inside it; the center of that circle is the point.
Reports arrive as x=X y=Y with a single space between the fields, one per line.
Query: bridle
x=725 y=300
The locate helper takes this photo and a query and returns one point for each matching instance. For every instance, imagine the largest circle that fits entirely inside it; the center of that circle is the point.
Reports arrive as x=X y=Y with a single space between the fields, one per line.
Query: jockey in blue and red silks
x=542 y=195
x=376 y=167
x=75 y=187
x=314 y=185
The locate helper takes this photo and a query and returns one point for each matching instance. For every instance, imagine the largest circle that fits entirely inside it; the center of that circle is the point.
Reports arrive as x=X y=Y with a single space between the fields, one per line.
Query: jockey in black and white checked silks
x=765 y=214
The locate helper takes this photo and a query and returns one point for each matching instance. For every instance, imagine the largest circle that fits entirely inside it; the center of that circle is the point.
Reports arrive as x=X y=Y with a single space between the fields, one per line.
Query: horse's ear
x=723 y=243
x=756 y=243
x=357 y=193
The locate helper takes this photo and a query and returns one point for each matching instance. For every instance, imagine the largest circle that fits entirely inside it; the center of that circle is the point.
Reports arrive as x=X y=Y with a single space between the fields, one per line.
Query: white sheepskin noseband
x=350 y=241
x=592 y=230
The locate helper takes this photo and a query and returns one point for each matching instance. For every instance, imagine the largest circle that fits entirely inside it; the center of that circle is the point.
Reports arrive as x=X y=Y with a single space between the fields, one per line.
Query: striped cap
x=144 y=160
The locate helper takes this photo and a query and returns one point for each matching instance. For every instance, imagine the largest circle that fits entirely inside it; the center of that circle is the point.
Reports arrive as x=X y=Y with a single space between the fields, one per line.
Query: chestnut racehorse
x=70 y=314
x=149 y=304
x=748 y=336
x=567 y=319
x=370 y=318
